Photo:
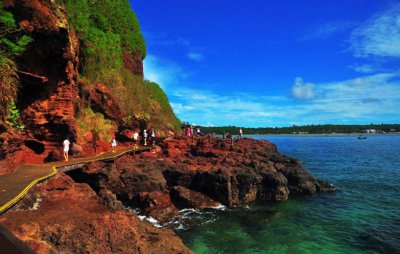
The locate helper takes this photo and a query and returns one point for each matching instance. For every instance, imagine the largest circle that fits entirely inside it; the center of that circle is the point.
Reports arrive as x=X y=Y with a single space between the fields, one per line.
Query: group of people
x=189 y=130
x=135 y=137
x=135 y=140
x=228 y=135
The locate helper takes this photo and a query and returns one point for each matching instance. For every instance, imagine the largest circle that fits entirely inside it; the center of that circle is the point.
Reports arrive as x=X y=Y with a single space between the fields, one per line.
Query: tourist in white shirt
x=113 y=144
x=135 y=138
x=66 y=144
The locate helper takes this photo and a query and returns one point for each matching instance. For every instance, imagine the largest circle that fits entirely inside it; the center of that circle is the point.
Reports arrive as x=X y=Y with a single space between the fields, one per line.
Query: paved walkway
x=14 y=186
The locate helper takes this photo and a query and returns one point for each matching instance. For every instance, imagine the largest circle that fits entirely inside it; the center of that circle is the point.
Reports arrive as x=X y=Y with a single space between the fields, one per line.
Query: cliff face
x=133 y=62
x=74 y=64
x=47 y=70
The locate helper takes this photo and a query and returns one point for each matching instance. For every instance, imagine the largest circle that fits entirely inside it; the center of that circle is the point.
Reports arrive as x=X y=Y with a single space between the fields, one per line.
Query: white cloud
x=327 y=30
x=379 y=36
x=303 y=91
x=195 y=56
x=365 y=99
x=363 y=68
x=163 y=72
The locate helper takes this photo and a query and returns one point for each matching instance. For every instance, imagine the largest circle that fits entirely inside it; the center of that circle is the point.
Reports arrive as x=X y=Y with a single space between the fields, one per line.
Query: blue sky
x=275 y=63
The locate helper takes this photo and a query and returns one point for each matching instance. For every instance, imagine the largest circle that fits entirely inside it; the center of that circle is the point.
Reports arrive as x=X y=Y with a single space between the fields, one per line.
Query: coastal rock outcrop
x=61 y=216
x=85 y=210
x=197 y=175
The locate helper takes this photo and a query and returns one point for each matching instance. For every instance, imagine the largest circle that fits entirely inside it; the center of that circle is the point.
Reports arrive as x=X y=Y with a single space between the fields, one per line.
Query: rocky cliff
x=74 y=64
x=85 y=210
x=47 y=70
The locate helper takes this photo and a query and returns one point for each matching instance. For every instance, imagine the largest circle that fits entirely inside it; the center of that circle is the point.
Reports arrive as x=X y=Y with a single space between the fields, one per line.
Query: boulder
x=185 y=198
x=158 y=205
x=100 y=100
x=76 y=150
x=71 y=219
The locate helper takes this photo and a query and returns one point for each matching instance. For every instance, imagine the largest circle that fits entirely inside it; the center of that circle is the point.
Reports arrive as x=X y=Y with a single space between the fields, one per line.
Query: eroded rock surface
x=185 y=175
x=47 y=70
x=85 y=210
x=61 y=216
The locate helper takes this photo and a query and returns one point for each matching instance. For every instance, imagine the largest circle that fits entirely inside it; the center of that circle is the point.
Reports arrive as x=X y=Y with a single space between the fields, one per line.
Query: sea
x=362 y=217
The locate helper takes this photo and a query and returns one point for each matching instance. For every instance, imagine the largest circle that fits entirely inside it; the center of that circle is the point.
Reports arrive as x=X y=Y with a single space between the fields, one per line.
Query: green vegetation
x=13 y=115
x=89 y=121
x=107 y=29
x=307 y=129
x=12 y=43
x=162 y=113
x=8 y=85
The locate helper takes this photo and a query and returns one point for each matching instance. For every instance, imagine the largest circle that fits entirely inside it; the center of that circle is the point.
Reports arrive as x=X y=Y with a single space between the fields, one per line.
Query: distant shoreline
x=322 y=134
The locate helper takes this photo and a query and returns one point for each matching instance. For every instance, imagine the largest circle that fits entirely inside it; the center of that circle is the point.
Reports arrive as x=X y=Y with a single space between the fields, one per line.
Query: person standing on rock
x=114 y=144
x=95 y=137
x=66 y=144
x=135 y=137
x=240 y=133
x=145 y=137
x=153 y=136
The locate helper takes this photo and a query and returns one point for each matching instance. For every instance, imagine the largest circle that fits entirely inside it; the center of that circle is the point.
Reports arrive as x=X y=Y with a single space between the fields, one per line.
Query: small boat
x=362 y=137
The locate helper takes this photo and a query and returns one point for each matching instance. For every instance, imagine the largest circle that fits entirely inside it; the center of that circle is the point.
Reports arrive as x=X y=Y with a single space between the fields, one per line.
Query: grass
x=106 y=30
x=89 y=121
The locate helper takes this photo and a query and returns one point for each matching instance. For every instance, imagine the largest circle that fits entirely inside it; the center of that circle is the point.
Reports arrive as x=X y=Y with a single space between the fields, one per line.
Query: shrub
x=13 y=115
x=12 y=43
x=89 y=121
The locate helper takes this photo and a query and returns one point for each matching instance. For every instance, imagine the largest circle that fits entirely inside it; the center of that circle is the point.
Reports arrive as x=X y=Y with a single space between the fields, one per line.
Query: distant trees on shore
x=307 y=129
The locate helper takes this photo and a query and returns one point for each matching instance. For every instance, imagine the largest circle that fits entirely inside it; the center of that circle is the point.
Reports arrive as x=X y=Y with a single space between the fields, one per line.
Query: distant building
x=392 y=130
x=370 y=131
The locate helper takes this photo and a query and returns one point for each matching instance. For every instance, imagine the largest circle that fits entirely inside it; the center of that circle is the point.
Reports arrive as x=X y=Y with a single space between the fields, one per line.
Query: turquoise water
x=363 y=217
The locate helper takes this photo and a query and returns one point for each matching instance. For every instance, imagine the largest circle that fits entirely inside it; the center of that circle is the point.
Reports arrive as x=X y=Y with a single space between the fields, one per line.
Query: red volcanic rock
x=151 y=154
x=173 y=152
x=133 y=62
x=234 y=175
x=27 y=26
x=158 y=205
x=70 y=219
x=185 y=198
x=100 y=100
x=47 y=71
x=16 y=149
x=73 y=218
x=58 y=183
x=200 y=176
